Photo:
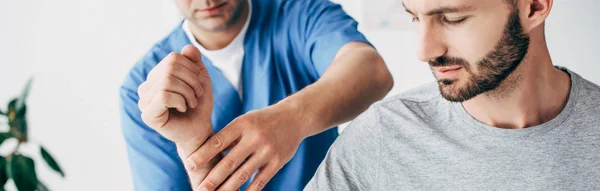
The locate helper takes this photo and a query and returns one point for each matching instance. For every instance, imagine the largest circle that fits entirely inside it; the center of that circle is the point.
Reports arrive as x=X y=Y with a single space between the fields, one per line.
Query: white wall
x=79 y=51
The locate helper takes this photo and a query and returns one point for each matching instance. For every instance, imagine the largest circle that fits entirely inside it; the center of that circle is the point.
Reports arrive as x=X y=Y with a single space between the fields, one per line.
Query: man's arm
x=153 y=159
x=352 y=75
x=356 y=78
x=266 y=139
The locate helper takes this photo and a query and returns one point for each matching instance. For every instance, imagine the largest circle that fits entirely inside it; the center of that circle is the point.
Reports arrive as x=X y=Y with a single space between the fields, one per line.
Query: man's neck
x=215 y=40
x=535 y=93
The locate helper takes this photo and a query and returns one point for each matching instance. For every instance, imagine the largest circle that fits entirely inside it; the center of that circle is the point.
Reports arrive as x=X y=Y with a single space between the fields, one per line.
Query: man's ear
x=534 y=13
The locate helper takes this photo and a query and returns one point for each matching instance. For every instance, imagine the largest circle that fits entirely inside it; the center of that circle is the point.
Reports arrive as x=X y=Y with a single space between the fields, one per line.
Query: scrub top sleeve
x=327 y=29
x=154 y=162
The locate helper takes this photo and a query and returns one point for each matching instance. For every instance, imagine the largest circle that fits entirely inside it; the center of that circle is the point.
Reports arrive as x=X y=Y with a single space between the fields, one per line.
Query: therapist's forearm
x=357 y=78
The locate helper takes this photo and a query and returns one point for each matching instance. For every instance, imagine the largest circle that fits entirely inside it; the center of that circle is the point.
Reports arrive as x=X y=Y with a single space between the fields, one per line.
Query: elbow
x=383 y=77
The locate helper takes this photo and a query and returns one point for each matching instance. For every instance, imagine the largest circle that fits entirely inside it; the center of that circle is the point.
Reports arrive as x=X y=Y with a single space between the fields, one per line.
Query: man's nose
x=431 y=45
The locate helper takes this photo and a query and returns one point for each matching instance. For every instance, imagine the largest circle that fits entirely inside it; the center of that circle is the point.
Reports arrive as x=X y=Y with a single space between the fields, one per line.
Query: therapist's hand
x=176 y=100
x=263 y=140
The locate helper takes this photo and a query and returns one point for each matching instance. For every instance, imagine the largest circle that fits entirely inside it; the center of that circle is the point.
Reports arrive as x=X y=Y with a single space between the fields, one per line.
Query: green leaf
x=12 y=112
x=17 y=121
x=18 y=128
x=22 y=171
x=12 y=108
x=21 y=113
x=51 y=162
x=21 y=100
x=42 y=187
x=3 y=173
x=2 y=113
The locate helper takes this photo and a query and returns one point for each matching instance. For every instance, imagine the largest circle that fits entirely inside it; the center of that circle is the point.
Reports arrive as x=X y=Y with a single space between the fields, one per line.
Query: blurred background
x=78 y=52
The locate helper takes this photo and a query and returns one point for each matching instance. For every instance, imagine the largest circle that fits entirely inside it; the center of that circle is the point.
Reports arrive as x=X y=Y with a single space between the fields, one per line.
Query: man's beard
x=493 y=69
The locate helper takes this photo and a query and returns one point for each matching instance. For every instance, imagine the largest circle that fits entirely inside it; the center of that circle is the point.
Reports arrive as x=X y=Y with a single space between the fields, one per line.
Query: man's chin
x=449 y=94
x=212 y=24
x=453 y=92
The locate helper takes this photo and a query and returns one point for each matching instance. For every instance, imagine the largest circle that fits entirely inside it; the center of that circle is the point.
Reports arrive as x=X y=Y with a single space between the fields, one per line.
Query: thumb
x=192 y=53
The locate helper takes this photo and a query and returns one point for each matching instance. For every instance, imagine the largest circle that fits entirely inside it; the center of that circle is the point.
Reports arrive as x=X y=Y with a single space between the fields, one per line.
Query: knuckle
x=145 y=118
x=229 y=163
x=246 y=120
x=260 y=184
x=270 y=150
x=197 y=81
x=277 y=161
x=165 y=97
x=168 y=81
x=263 y=135
x=194 y=158
x=243 y=176
x=204 y=72
x=172 y=68
x=172 y=57
x=141 y=87
x=216 y=141
x=196 y=70
x=141 y=105
x=198 y=160
x=210 y=183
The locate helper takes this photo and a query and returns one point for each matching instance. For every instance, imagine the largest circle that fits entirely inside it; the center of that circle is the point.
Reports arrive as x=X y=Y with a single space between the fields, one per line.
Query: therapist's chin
x=213 y=24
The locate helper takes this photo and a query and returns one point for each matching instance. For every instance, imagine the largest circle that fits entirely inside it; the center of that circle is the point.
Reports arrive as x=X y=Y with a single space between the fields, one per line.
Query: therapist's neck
x=215 y=40
x=535 y=93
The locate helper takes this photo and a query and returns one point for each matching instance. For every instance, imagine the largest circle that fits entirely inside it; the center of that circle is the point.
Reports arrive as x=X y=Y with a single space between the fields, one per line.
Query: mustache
x=447 y=61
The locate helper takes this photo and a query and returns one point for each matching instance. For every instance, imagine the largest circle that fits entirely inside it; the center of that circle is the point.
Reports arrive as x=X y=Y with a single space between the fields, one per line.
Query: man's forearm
x=356 y=78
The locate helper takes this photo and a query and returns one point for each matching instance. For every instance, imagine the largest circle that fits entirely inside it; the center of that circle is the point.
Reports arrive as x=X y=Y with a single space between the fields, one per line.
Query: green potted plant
x=16 y=166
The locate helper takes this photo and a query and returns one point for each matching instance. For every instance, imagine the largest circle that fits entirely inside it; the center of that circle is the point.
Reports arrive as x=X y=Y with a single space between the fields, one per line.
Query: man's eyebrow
x=443 y=10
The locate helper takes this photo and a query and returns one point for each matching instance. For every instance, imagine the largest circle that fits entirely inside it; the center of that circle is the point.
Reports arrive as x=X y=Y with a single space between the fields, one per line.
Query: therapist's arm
x=356 y=78
x=267 y=139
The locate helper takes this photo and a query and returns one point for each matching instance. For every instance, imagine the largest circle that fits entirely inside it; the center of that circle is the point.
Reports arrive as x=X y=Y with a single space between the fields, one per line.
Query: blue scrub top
x=289 y=45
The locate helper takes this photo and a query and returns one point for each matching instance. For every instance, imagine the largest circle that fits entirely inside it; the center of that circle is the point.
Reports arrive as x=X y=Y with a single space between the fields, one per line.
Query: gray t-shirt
x=420 y=141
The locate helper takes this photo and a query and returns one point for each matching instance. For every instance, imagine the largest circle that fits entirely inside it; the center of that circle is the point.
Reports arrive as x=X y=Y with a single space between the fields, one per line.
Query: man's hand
x=176 y=100
x=262 y=140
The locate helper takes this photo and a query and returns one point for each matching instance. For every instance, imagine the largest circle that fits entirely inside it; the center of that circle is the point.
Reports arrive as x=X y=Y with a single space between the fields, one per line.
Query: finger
x=200 y=174
x=192 y=79
x=263 y=177
x=177 y=70
x=243 y=173
x=225 y=167
x=192 y=53
x=142 y=90
x=214 y=145
x=173 y=58
x=175 y=85
x=157 y=111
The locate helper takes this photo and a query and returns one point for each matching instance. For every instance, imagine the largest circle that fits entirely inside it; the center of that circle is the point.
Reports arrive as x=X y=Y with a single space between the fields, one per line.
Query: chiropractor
x=270 y=77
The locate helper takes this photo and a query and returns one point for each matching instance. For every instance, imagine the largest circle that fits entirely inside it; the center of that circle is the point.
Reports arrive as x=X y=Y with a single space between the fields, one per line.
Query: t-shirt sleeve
x=154 y=162
x=326 y=28
x=351 y=163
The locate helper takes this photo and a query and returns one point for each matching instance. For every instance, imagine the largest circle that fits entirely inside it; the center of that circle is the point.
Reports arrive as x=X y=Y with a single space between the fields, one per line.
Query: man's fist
x=176 y=100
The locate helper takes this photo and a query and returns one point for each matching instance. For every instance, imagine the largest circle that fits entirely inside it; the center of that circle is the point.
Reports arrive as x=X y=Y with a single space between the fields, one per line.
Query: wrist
x=195 y=137
x=301 y=117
